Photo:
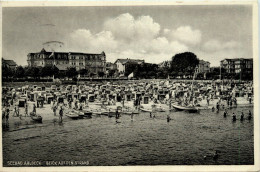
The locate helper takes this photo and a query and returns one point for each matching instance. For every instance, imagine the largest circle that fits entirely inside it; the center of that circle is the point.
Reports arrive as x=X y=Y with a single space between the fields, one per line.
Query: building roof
x=8 y=62
x=235 y=59
x=43 y=51
x=124 y=61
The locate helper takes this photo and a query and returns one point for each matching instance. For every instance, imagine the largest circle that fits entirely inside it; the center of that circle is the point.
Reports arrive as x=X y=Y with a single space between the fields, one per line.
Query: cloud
x=185 y=34
x=142 y=38
x=127 y=37
x=84 y=40
x=126 y=27
x=216 y=45
x=162 y=45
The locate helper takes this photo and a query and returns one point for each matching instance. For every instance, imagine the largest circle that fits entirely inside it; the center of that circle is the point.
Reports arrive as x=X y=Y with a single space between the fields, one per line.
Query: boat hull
x=37 y=118
x=145 y=110
x=73 y=116
x=183 y=108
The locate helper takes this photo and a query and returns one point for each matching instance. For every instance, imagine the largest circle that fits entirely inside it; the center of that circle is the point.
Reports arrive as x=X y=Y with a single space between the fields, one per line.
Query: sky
x=152 y=33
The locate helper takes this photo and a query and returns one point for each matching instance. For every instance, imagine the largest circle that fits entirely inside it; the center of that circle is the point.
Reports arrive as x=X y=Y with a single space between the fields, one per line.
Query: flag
x=131 y=75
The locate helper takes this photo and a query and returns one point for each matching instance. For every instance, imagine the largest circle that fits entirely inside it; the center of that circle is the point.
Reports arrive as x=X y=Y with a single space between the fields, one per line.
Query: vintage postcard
x=129 y=86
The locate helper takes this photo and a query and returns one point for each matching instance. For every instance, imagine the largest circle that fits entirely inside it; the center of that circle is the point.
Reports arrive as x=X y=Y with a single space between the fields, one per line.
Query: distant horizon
x=150 y=33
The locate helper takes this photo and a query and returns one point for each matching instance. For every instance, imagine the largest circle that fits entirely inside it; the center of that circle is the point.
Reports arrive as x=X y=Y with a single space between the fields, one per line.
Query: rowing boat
x=191 y=109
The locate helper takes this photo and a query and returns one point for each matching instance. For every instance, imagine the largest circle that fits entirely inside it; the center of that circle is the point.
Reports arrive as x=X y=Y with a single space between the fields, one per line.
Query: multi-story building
x=94 y=63
x=121 y=64
x=204 y=66
x=237 y=65
x=8 y=63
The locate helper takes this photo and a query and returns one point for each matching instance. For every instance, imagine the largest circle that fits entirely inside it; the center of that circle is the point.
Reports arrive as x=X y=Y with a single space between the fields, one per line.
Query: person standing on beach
x=208 y=100
x=225 y=113
x=242 y=116
x=3 y=114
x=250 y=100
x=15 y=111
x=34 y=109
x=235 y=101
x=249 y=115
x=18 y=111
x=117 y=114
x=61 y=114
x=54 y=110
x=170 y=104
x=213 y=109
x=217 y=106
x=234 y=117
x=70 y=103
x=123 y=102
x=26 y=109
x=7 y=115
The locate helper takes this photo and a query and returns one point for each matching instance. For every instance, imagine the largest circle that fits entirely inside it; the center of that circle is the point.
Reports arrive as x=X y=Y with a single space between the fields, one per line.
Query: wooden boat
x=96 y=112
x=37 y=118
x=104 y=112
x=72 y=115
x=191 y=109
x=127 y=112
x=87 y=114
x=112 y=113
x=145 y=110
x=81 y=115
x=135 y=112
x=159 y=109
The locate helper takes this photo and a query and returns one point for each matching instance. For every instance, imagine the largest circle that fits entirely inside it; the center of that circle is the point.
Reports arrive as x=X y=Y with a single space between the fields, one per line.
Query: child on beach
x=54 y=110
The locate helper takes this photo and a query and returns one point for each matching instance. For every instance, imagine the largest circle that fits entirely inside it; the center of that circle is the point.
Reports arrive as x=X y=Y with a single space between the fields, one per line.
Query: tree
x=131 y=67
x=71 y=72
x=200 y=76
x=32 y=72
x=101 y=74
x=111 y=73
x=46 y=71
x=83 y=71
x=7 y=72
x=91 y=74
x=184 y=63
x=19 y=72
x=55 y=70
